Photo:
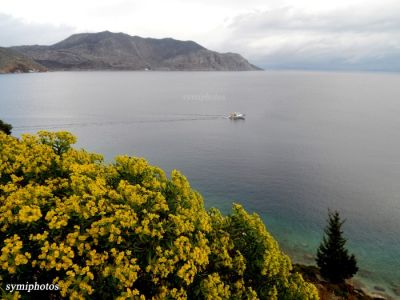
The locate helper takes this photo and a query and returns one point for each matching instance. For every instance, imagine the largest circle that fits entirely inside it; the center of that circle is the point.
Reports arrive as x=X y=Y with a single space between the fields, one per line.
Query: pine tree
x=333 y=259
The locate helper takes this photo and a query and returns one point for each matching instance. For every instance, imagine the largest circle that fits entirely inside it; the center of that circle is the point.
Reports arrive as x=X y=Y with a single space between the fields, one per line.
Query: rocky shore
x=328 y=291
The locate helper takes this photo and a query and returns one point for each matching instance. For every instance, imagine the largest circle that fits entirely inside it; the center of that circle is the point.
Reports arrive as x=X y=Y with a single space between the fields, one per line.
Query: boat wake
x=175 y=118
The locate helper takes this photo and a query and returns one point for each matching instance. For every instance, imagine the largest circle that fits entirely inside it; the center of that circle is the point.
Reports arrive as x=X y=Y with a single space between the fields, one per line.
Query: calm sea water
x=311 y=141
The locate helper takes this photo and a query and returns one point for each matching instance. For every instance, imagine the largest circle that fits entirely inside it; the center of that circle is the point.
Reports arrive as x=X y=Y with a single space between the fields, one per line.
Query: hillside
x=126 y=230
x=119 y=51
x=13 y=62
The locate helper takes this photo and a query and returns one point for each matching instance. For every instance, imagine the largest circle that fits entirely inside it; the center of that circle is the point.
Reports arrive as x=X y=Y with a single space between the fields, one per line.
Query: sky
x=285 y=34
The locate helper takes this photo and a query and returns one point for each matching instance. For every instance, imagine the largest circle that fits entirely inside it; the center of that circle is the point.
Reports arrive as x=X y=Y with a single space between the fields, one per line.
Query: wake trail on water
x=188 y=118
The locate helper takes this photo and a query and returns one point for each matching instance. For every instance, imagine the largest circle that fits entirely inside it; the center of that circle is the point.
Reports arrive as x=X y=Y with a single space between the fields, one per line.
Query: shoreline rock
x=330 y=291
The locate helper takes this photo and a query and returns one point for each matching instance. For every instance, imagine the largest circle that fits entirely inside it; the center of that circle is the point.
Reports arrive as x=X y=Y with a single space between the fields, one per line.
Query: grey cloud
x=351 y=19
x=313 y=59
x=351 y=39
x=17 y=32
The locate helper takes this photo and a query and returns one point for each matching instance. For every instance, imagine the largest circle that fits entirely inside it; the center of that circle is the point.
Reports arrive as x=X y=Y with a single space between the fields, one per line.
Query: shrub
x=125 y=230
x=6 y=128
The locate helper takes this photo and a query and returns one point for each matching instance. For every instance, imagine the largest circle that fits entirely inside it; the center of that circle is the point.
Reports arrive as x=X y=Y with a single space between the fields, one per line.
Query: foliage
x=124 y=230
x=333 y=258
x=4 y=127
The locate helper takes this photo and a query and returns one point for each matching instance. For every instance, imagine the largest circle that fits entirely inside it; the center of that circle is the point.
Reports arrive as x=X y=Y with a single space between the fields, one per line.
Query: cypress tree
x=333 y=259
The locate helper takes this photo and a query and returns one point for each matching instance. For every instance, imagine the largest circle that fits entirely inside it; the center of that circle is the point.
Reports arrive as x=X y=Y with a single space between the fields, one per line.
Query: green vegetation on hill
x=125 y=230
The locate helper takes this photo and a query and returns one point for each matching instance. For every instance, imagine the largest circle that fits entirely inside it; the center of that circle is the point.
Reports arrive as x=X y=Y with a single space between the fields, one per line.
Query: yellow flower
x=123 y=230
x=28 y=214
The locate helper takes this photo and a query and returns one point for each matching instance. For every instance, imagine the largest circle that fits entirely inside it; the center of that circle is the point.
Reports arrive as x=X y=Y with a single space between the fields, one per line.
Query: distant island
x=119 y=51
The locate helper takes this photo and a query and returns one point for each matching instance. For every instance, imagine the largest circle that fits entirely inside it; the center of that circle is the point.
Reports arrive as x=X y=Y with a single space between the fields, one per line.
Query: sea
x=311 y=141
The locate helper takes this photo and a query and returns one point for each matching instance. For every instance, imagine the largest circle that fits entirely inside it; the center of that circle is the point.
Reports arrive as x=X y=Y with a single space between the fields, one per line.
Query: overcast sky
x=291 y=34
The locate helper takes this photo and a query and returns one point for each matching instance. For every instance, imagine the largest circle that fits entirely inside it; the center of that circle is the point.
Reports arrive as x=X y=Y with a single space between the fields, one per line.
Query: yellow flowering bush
x=126 y=231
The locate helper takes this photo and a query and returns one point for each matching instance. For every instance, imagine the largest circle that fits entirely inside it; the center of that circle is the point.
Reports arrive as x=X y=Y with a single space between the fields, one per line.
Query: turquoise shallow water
x=311 y=141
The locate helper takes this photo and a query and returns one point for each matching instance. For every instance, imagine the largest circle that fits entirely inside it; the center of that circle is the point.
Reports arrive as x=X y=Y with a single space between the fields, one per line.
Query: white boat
x=236 y=116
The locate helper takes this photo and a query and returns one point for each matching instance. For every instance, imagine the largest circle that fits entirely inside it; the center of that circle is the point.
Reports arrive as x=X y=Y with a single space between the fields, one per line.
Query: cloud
x=350 y=19
x=153 y=18
x=362 y=38
x=19 y=32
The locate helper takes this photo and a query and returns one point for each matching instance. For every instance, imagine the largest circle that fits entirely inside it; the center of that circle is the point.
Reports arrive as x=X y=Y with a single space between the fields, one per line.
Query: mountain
x=119 y=51
x=12 y=61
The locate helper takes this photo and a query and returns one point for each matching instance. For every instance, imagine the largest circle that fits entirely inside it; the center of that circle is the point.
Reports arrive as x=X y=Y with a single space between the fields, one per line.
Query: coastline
x=372 y=282
x=351 y=289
